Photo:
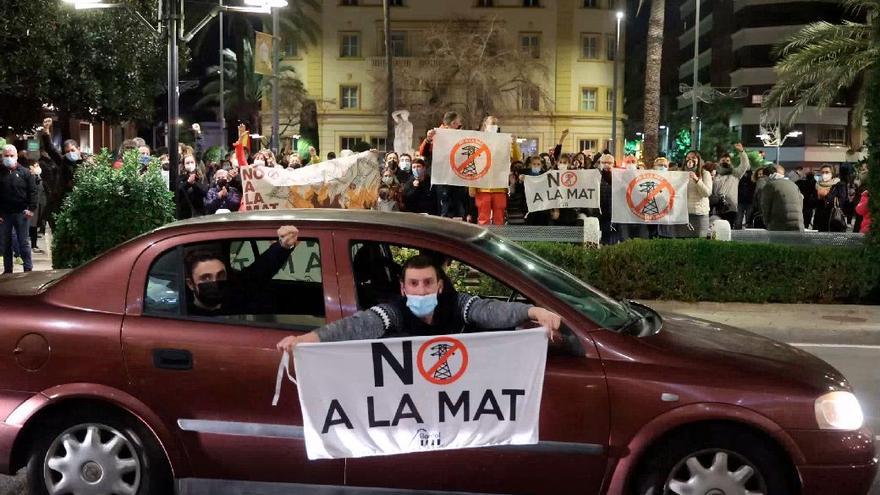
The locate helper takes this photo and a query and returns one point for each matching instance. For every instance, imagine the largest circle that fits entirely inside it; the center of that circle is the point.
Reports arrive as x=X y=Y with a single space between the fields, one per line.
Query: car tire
x=730 y=461
x=97 y=453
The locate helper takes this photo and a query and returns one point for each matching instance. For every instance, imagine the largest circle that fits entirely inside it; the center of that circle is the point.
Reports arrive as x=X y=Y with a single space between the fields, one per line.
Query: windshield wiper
x=636 y=318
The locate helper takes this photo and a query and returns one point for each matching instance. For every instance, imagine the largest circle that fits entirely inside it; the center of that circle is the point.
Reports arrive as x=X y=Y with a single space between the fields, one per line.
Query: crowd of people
x=829 y=199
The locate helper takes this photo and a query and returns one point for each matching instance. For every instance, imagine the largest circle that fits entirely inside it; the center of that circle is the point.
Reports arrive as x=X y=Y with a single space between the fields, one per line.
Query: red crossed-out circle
x=458 y=165
x=428 y=372
x=662 y=185
x=569 y=179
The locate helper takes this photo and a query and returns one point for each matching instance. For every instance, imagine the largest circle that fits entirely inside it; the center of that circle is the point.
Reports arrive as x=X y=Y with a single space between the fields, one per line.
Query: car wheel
x=719 y=462
x=98 y=455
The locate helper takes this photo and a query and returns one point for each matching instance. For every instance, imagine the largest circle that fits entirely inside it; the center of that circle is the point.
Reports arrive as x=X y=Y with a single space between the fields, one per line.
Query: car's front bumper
x=839 y=480
x=838 y=462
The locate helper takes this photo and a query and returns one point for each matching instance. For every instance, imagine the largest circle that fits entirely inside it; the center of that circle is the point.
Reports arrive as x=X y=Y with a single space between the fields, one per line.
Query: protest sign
x=418 y=394
x=470 y=158
x=348 y=182
x=649 y=197
x=562 y=189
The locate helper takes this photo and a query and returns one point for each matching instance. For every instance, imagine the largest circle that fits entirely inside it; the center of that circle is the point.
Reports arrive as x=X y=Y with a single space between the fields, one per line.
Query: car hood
x=29 y=283
x=699 y=340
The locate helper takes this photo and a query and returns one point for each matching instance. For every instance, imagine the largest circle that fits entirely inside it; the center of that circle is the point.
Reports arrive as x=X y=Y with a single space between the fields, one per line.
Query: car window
x=262 y=284
x=377 y=267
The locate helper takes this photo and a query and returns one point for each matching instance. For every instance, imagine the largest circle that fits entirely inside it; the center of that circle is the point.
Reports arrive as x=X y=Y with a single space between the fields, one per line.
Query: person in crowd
x=18 y=202
x=610 y=234
x=406 y=164
x=516 y=203
x=565 y=216
x=144 y=155
x=624 y=231
x=452 y=199
x=630 y=162
x=661 y=165
x=698 y=191
x=269 y=156
x=37 y=221
x=807 y=186
x=391 y=156
x=745 y=195
x=260 y=159
x=214 y=289
x=418 y=196
x=864 y=212
x=387 y=200
x=492 y=203
x=781 y=203
x=795 y=174
x=428 y=306
x=761 y=177
x=221 y=195
x=191 y=190
x=557 y=150
x=581 y=162
x=401 y=175
x=861 y=182
x=314 y=156
x=244 y=140
x=394 y=186
x=535 y=167
x=725 y=188
x=331 y=156
x=831 y=193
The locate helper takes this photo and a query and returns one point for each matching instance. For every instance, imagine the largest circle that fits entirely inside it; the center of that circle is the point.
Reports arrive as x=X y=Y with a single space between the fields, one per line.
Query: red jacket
x=862 y=209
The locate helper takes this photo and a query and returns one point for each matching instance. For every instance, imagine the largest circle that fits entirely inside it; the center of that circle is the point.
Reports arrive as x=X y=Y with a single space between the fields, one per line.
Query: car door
x=213 y=380
x=574 y=424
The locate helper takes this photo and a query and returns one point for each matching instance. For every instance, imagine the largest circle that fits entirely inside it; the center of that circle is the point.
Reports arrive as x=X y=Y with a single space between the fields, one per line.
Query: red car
x=115 y=385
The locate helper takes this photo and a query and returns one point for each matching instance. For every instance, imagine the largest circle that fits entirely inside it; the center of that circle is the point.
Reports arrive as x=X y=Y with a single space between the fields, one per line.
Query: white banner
x=395 y=396
x=471 y=158
x=649 y=196
x=562 y=189
x=347 y=182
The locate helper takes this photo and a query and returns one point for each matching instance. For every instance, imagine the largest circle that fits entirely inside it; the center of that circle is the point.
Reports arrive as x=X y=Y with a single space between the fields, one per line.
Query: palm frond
x=821 y=33
x=860 y=6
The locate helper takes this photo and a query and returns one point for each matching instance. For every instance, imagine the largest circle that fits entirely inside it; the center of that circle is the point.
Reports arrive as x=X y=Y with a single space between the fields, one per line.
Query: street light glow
x=619 y=15
x=794 y=134
x=266 y=3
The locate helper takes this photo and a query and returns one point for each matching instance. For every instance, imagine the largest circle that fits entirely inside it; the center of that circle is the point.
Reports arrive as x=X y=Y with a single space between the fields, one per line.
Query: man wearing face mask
x=215 y=290
x=725 y=186
x=18 y=202
x=418 y=196
x=428 y=306
x=67 y=162
x=781 y=203
x=221 y=195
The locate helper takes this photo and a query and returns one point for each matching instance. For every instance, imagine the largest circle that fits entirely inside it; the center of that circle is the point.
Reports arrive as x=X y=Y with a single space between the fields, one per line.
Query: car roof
x=396 y=220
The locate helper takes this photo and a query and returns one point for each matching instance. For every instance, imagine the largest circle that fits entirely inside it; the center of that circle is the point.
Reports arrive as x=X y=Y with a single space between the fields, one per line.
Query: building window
x=590 y=46
x=349 y=3
x=350 y=45
x=348 y=97
x=530 y=99
x=378 y=143
x=530 y=44
x=485 y=3
x=531 y=3
x=610 y=46
x=591 y=4
x=399 y=44
x=349 y=142
x=290 y=48
x=609 y=100
x=587 y=144
x=757 y=99
x=832 y=136
x=588 y=99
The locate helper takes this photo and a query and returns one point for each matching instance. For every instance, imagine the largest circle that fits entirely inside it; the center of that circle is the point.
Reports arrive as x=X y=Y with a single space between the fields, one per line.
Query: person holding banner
x=492 y=203
x=452 y=199
x=698 y=191
x=428 y=307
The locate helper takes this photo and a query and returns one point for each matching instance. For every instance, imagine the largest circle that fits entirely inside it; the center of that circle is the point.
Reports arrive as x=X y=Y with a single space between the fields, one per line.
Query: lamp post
x=619 y=16
x=769 y=140
x=694 y=138
x=169 y=20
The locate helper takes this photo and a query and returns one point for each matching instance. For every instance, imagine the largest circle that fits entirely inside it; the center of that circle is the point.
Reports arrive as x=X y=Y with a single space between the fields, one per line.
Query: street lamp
x=619 y=16
x=769 y=140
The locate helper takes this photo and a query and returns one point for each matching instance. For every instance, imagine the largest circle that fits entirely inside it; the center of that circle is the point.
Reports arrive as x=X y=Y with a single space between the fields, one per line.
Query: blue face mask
x=73 y=156
x=9 y=161
x=662 y=169
x=144 y=159
x=422 y=306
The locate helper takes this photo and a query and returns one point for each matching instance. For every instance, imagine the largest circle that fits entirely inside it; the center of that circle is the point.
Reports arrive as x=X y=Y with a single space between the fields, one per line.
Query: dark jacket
x=18 y=192
x=781 y=204
x=190 y=198
x=746 y=193
x=419 y=199
x=214 y=202
x=824 y=206
x=67 y=167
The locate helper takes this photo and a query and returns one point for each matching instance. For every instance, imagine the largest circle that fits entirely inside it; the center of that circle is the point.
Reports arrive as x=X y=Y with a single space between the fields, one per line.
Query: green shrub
x=108 y=207
x=701 y=270
x=213 y=155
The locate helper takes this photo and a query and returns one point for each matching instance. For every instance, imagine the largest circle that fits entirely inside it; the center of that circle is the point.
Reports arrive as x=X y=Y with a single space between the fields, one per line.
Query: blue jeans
x=18 y=223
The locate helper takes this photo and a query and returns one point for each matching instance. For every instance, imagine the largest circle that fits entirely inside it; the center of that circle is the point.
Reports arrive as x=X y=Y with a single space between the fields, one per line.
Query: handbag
x=837 y=219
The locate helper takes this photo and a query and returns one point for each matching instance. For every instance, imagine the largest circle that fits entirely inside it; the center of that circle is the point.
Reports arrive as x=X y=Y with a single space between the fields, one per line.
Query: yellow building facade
x=573 y=39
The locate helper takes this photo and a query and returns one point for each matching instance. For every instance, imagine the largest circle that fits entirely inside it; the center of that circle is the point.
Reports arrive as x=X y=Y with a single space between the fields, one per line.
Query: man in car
x=428 y=306
x=215 y=292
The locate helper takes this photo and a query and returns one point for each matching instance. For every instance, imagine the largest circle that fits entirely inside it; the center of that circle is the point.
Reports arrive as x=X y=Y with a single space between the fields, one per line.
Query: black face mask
x=222 y=183
x=211 y=293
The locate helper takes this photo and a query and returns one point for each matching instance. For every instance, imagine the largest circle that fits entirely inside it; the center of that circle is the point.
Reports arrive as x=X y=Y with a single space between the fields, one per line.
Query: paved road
x=848 y=337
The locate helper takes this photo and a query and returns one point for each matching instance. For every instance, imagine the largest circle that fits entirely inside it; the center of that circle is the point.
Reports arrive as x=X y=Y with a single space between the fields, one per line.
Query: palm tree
x=653 y=69
x=820 y=61
x=244 y=89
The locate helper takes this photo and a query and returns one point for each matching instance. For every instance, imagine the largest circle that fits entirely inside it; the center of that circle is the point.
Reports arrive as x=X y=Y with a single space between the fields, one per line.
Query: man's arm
x=51 y=150
x=744 y=164
x=490 y=314
x=363 y=325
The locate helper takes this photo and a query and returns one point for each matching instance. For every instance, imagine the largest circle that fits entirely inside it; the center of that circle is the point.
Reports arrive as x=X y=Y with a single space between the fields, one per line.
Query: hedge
x=703 y=270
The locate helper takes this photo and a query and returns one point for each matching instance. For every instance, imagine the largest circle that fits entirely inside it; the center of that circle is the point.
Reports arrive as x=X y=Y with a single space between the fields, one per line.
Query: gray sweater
x=387 y=319
x=727 y=184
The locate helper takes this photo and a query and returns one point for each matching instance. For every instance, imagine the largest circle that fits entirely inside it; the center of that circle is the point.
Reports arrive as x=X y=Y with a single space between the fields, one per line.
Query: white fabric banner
x=394 y=396
x=346 y=182
x=649 y=196
x=471 y=158
x=562 y=189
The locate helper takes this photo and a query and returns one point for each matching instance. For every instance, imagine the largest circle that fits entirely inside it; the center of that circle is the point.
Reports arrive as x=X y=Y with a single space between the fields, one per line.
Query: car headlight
x=839 y=411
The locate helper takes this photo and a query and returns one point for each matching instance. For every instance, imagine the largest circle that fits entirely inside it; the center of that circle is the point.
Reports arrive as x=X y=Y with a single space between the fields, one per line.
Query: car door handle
x=172 y=359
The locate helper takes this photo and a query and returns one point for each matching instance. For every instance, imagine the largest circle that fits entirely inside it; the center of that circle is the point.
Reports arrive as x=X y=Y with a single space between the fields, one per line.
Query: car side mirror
x=570 y=345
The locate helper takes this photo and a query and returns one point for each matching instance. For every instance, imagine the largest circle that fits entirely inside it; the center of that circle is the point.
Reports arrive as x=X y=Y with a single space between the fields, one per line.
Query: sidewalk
x=42 y=261
x=793 y=323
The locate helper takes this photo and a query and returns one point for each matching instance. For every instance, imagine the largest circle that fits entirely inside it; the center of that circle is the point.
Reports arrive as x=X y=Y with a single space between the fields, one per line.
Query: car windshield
x=596 y=306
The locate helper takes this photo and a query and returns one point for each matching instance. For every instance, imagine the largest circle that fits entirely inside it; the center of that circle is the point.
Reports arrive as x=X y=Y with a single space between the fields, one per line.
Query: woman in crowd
x=864 y=212
x=699 y=189
x=535 y=168
x=191 y=189
x=565 y=216
x=516 y=204
x=831 y=194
